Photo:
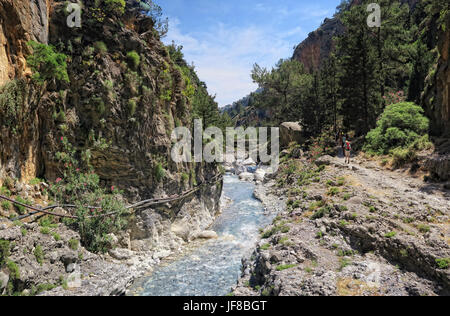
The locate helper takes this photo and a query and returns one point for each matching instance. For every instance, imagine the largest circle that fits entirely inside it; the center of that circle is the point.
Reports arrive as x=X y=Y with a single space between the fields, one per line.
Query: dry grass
x=351 y=287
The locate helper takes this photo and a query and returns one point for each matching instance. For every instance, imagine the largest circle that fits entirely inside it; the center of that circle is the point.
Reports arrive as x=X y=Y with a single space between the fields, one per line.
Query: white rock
x=121 y=254
x=260 y=175
x=161 y=254
x=207 y=234
x=246 y=176
x=249 y=162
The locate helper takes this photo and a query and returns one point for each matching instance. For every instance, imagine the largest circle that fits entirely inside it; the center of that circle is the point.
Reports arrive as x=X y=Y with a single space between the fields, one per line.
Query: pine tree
x=358 y=73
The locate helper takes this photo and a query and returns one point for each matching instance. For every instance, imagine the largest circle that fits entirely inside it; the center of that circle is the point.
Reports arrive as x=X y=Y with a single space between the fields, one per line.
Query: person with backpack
x=344 y=139
x=348 y=150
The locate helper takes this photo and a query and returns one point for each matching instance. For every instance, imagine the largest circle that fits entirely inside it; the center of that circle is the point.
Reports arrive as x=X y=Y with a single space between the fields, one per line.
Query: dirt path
x=354 y=230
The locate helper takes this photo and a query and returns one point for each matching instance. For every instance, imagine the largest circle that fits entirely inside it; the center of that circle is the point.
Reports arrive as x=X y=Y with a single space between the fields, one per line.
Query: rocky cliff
x=109 y=101
x=436 y=96
x=123 y=100
x=317 y=47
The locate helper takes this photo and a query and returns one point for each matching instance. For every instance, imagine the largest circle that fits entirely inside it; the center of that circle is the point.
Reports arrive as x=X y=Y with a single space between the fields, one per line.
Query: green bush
x=402 y=156
x=390 y=235
x=285 y=267
x=22 y=209
x=100 y=47
x=443 y=263
x=265 y=247
x=160 y=173
x=116 y=7
x=46 y=63
x=80 y=186
x=39 y=254
x=35 y=181
x=73 y=244
x=14 y=271
x=133 y=59
x=6 y=205
x=5 y=251
x=398 y=127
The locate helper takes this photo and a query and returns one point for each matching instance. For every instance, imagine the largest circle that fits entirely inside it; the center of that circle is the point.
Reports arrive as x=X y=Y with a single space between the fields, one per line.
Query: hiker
x=344 y=139
x=348 y=150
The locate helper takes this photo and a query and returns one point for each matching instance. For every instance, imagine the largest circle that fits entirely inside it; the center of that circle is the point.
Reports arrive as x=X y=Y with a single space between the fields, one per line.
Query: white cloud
x=224 y=55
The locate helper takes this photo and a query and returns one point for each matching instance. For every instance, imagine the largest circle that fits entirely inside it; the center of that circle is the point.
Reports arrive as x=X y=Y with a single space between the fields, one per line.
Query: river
x=213 y=268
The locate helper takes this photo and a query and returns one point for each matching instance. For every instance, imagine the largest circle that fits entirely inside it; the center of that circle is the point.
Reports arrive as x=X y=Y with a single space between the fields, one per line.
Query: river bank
x=351 y=230
x=213 y=267
x=47 y=258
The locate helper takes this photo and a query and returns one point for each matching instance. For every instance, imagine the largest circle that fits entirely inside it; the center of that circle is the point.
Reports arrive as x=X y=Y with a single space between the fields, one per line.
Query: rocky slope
x=124 y=98
x=317 y=47
x=352 y=230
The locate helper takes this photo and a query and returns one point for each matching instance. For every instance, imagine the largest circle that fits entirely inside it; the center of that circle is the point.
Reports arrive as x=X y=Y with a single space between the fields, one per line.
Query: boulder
x=249 y=162
x=290 y=132
x=246 y=176
x=439 y=167
x=260 y=175
x=207 y=234
x=121 y=254
x=4 y=278
x=324 y=161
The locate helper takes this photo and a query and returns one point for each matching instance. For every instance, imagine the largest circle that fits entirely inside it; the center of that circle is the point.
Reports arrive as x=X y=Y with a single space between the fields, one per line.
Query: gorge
x=92 y=202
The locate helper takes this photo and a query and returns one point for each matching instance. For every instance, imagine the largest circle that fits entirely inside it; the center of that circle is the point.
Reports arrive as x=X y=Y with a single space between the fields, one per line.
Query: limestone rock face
x=313 y=51
x=439 y=166
x=437 y=93
x=21 y=21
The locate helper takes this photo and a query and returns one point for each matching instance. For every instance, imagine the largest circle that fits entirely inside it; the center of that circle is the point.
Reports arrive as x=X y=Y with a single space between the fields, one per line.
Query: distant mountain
x=316 y=48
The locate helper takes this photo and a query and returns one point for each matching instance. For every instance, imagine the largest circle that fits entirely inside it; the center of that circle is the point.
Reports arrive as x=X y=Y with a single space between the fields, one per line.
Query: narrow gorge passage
x=215 y=266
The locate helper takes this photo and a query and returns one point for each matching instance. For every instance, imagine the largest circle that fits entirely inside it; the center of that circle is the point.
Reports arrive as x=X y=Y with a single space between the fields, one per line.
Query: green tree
x=282 y=89
x=358 y=73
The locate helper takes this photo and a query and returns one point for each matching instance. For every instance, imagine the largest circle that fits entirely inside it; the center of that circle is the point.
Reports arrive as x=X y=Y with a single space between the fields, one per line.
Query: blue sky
x=224 y=38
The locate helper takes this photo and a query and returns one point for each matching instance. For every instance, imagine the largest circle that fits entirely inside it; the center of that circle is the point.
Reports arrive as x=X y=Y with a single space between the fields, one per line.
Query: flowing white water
x=215 y=266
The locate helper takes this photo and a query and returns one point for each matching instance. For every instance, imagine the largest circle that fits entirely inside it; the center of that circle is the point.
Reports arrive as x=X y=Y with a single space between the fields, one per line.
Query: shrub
x=35 y=181
x=100 y=47
x=116 y=7
x=45 y=230
x=6 y=205
x=160 y=173
x=39 y=254
x=56 y=236
x=14 y=271
x=22 y=209
x=443 y=263
x=343 y=262
x=402 y=156
x=285 y=267
x=423 y=228
x=400 y=125
x=46 y=63
x=265 y=247
x=80 y=186
x=5 y=249
x=333 y=191
x=390 y=235
x=73 y=244
x=133 y=59
x=5 y=191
